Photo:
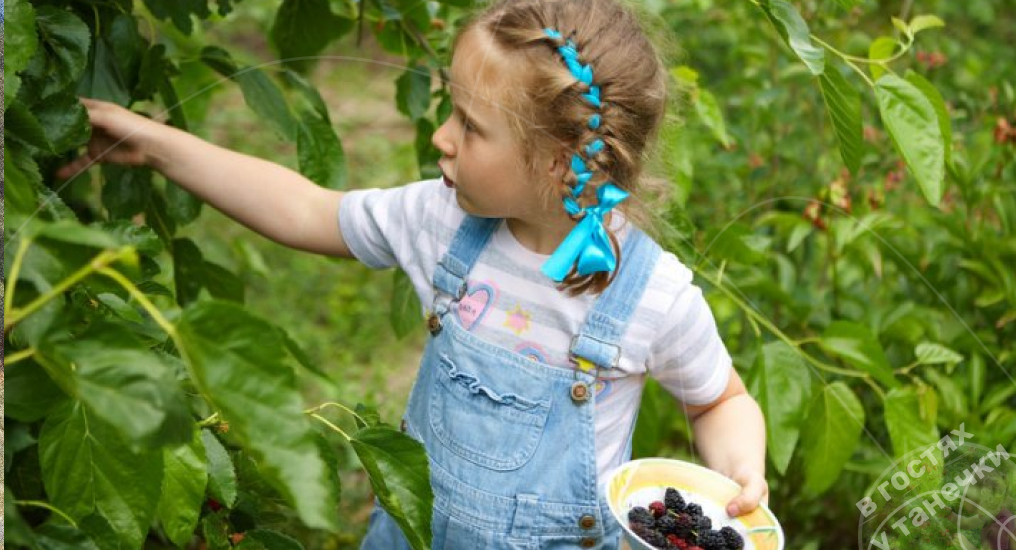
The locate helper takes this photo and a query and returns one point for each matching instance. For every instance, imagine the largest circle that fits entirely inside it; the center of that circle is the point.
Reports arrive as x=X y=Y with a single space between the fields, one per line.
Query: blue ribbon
x=587 y=246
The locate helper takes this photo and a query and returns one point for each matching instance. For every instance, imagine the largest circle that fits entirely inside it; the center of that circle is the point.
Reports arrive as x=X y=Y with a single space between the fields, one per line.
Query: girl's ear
x=557 y=166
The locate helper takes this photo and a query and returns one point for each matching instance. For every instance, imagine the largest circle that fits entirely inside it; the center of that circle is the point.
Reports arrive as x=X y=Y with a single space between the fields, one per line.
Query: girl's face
x=481 y=158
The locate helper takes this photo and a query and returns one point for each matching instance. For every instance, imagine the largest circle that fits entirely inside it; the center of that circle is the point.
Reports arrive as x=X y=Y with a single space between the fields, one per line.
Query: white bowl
x=640 y=482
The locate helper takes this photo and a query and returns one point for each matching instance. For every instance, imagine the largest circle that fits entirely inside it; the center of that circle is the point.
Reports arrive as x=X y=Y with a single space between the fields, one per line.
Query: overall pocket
x=487 y=425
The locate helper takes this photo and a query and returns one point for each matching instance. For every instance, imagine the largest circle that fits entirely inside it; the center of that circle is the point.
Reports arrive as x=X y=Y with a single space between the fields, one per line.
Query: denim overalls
x=511 y=440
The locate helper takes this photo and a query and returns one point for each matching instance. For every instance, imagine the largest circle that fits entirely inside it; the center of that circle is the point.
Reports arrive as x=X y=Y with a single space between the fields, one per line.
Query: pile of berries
x=678 y=525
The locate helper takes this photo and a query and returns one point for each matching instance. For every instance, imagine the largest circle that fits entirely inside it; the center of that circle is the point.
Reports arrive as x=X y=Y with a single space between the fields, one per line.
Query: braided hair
x=604 y=123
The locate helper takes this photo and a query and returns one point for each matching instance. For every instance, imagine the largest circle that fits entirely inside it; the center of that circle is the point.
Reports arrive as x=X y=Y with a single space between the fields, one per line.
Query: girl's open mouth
x=448 y=182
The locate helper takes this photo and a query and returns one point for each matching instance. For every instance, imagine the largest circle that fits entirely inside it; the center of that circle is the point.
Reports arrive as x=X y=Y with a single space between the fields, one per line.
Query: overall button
x=587 y=542
x=433 y=324
x=587 y=522
x=579 y=392
x=402 y=426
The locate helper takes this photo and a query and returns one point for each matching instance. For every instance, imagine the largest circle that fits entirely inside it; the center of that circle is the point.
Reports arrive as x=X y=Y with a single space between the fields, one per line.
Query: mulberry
x=732 y=538
x=712 y=540
x=694 y=509
x=658 y=509
x=673 y=500
x=640 y=516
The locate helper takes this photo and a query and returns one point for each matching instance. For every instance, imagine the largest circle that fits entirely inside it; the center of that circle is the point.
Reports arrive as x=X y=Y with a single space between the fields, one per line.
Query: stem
x=48 y=506
x=751 y=312
x=145 y=303
x=18 y=356
x=422 y=40
x=104 y=258
x=212 y=419
x=874 y=386
x=850 y=59
x=337 y=405
x=332 y=426
x=19 y=258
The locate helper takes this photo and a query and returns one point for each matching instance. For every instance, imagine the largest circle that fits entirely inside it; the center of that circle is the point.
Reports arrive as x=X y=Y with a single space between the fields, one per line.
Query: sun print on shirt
x=518 y=320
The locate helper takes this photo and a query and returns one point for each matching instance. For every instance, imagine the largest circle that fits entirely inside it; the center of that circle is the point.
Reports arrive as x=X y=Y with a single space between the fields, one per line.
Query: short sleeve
x=688 y=357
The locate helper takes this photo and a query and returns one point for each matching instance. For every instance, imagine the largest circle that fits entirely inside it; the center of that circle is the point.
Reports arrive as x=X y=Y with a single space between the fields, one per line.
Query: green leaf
x=30 y=393
x=259 y=92
x=87 y=467
x=412 y=92
x=976 y=372
x=266 y=539
x=65 y=121
x=856 y=345
x=63 y=53
x=119 y=381
x=935 y=98
x=929 y=353
x=180 y=11
x=22 y=126
x=844 y=106
x=216 y=531
x=125 y=190
x=181 y=204
x=923 y=22
x=400 y=475
x=792 y=27
x=903 y=27
x=303 y=28
x=830 y=436
x=709 y=113
x=908 y=429
x=102 y=78
x=20 y=43
x=405 y=306
x=318 y=148
x=221 y=474
x=183 y=489
x=953 y=399
x=128 y=46
x=913 y=125
x=17 y=532
x=237 y=361
x=191 y=273
x=882 y=47
x=427 y=155
x=781 y=384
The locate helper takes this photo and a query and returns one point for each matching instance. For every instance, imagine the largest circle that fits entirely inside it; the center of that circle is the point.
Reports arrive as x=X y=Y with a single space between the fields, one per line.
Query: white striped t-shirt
x=671 y=335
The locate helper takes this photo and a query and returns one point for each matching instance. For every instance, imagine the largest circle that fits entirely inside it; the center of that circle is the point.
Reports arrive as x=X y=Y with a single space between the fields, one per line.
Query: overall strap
x=599 y=339
x=470 y=239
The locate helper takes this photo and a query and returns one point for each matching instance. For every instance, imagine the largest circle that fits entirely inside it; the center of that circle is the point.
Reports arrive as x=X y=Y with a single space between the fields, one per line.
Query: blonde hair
x=547 y=113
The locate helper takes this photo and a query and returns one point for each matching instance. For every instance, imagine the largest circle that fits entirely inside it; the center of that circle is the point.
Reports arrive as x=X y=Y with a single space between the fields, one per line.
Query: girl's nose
x=444 y=138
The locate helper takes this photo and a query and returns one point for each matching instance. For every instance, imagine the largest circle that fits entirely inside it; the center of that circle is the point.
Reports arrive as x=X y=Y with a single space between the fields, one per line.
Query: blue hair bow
x=587 y=246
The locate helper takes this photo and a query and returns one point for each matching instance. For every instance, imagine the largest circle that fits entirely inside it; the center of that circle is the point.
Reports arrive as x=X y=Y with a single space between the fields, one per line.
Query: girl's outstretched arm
x=264 y=196
x=730 y=434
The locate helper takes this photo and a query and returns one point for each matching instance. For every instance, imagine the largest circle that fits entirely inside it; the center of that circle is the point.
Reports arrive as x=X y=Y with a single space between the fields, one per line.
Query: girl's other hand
x=754 y=491
x=119 y=136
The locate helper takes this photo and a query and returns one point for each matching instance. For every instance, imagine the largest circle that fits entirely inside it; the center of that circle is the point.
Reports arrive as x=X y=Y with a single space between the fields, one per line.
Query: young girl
x=546 y=307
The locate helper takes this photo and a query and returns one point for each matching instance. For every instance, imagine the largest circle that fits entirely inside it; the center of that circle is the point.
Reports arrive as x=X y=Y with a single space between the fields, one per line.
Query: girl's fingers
x=754 y=491
x=77 y=165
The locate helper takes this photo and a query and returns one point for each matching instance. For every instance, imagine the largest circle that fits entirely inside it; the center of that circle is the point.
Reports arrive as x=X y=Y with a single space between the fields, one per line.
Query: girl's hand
x=119 y=136
x=754 y=490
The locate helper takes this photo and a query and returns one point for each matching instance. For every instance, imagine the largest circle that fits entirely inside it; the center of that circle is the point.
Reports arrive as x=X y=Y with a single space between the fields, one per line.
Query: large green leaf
x=183 y=489
x=21 y=199
x=237 y=361
x=103 y=78
x=61 y=56
x=87 y=467
x=179 y=11
x=30 y=393
x=126 y=190
x=781 y=384
x=192 y=272
x=935 y=98
x=426 y=154
x=120 y=381
x=929 y=353
x=318 y=148
x=20 y=42
x=844 y=106
x=21 y=125
x=65 y=122
x=303 y=28
x=830 y=436
x=913 y=125
x=400 y=475
x=856 y=345
x=909 y=430
x=412 y=92
x=792 y=27
x=221 y=474
x=259 y=92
